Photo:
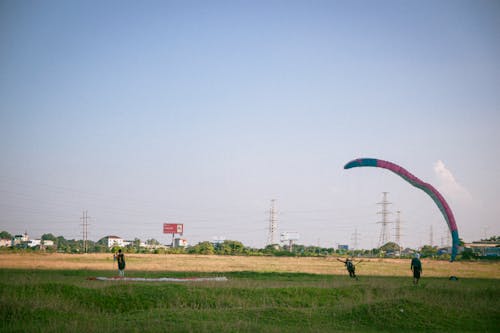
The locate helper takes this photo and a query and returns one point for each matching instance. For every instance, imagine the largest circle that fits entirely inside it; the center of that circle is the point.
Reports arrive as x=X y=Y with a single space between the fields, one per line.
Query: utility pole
x=398 y=230
x=384 y=235
x=273 y=224
x=85 y=225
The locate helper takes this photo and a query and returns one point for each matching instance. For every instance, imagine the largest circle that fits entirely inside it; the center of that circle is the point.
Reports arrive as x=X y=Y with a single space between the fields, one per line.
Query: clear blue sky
x=201 y=112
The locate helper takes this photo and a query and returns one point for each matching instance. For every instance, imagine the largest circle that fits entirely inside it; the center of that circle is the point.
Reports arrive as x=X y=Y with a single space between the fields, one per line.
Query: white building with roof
x=117 y=241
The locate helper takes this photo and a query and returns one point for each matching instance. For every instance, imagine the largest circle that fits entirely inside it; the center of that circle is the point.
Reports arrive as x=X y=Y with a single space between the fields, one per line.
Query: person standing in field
x=351 y=268
x=120 y=258
x=416 y=267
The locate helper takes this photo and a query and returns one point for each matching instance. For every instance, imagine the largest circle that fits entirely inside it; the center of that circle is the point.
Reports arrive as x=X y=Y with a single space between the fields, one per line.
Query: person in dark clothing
x=351 y=268
x=416 y=267
x=121 y=263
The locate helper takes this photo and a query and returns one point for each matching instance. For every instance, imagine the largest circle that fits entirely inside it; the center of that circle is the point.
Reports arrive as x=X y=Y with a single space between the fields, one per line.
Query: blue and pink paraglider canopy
x=426 y=187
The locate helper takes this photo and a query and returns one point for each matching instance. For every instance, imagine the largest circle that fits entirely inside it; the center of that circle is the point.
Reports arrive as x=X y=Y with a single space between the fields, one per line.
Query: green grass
x=65 y=301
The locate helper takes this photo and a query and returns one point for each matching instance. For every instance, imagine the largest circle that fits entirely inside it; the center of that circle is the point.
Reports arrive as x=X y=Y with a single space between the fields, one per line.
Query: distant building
x=5 y=242
x=20 y=239
x=485 y=248
x=40 y=242
x=34 y=242
x=407 y=252
x=180 y=242
x=115 y=241
x=343 y=247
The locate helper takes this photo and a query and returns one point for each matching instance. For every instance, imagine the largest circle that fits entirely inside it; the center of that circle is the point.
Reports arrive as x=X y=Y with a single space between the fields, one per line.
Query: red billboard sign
x=173 y=228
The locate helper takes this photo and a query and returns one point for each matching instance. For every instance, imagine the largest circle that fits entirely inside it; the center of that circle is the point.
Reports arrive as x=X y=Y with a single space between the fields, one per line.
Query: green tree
x=297 y=249
x=137 y=243
x=429 y=251
x=272 y=249
x=468 y=254
x=115 y=249
x=390 y=247
x=99 y=248
x=49 y=237
x=62 y=244
x=221 y=248
x=103 y=241
x=152 y=241
x=5 y=235
x=233 y=247
x=203 y=248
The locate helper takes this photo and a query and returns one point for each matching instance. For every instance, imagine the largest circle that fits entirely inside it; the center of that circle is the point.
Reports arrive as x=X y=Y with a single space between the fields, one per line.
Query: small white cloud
x=448 y=184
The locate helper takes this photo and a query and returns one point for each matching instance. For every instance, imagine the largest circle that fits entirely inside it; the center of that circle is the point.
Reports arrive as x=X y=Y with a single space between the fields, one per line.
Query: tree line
x=226 y=247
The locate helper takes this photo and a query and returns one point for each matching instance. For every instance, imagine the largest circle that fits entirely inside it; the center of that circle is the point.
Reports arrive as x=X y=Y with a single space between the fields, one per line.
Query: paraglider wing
x=427 y=188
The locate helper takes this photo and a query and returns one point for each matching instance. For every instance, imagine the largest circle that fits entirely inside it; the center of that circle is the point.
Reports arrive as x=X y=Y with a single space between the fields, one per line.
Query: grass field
x=281 y=295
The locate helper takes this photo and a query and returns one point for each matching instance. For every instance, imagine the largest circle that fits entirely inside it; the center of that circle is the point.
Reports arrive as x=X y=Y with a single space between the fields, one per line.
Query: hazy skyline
x=201 y=112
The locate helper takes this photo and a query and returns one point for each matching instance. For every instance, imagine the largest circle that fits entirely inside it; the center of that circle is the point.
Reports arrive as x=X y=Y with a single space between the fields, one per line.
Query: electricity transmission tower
x=384 y=232
x=273 y=225
x=85 y=225
x=355 y=239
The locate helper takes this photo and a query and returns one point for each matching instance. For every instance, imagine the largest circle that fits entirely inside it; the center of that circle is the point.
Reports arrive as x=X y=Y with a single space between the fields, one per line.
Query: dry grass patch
x=204 y=263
